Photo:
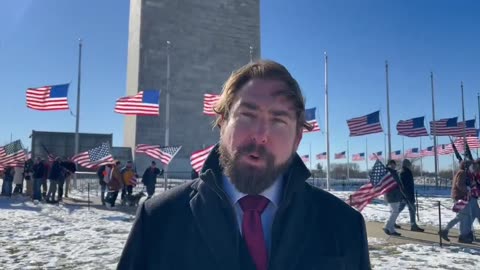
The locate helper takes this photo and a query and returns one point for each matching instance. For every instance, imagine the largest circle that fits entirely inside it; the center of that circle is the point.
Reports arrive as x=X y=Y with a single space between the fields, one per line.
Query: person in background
x=149 y=178
x=461 y=191
x=8 y=174
x=47 y=165
x=28 y=174
x=38 y=175
x=70 y=168
x=102 y=174
x=115 y=183
x=18 y=179
x=393 y=198
x=129 y=177
x=406 y=176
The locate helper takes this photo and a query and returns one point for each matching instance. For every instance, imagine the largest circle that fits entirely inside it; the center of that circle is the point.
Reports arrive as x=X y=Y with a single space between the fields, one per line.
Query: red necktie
x=253 y=206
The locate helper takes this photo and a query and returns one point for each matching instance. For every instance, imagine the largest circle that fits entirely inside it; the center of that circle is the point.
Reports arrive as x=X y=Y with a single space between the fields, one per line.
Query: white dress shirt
x=273 y=194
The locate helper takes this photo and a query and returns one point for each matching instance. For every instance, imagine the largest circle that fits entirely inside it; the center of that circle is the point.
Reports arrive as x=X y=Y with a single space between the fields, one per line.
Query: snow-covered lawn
x=46 y=236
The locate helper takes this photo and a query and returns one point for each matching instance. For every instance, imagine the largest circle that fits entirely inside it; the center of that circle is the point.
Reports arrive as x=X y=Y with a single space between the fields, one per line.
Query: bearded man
x=251 y=207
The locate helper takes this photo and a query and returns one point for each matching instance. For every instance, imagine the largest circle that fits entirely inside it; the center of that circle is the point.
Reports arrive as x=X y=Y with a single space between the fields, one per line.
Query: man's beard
x=246 y=178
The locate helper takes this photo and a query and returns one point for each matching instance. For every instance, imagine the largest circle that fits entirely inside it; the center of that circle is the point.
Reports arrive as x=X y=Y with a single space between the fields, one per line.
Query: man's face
x=392 y=166
x=153 y=165
x=259 y=137
x=129 y=165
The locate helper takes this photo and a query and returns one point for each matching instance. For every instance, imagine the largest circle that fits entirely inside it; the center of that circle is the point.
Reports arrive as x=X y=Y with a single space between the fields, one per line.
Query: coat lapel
x=290 y=226
x=217 y=225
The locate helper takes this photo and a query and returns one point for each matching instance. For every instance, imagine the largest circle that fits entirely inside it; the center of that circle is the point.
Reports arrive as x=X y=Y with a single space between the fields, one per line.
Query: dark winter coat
x=56 y=172
x=408 y=184
x=38 y=170
x=149 y=177
x=394 y=195
x=193 y=226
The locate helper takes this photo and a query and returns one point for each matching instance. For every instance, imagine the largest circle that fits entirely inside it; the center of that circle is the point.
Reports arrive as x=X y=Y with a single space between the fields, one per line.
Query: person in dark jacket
x=7 y=184
x=70 y=169
x=101 y=173
x=149 y=178
x=406 y=176
x=393 y=198
x=38 y=174
x=251 y=208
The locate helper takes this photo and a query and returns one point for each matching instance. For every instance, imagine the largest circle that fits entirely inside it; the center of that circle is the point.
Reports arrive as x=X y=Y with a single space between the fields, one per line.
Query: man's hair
x=391 y=161
x=154 y=163
x=262 y=69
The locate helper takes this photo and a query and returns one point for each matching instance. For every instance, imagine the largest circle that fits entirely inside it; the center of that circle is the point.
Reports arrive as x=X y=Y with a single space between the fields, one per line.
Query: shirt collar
x=273 y=193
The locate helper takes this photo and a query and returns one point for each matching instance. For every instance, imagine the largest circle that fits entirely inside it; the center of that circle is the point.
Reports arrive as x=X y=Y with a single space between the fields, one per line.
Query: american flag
x=470 y=130
x=396 y=155
x=305 y=158
x=412 y=153
x=12 y=154
x=412 y=128
x=48 y=98
x=445 y=149
x=197 y=159
x=381 y=182
x=358 y=157
x=377 y=155
x=94 y=157
x=427 y=152
x=321 y=156
x=473 y=143
x=340 y=155
x=163 y=153
x=368 y=124
x=444 y=127
x=144 y=103
x=209 y=102
x=311 y=119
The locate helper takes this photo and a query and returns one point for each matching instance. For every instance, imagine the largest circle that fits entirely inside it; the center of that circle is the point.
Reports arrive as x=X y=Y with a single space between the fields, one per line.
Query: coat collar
x=216 y=220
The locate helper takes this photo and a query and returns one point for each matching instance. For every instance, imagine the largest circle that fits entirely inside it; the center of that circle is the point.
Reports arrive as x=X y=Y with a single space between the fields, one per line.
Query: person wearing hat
x=406 y=176
x=149 y=178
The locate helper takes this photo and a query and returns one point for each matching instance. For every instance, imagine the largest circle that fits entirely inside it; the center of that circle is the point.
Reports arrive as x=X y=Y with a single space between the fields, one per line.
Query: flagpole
x=77 y=115
x=403 y=145
x=478 y=120
x=366 y=151
x=327 y=130
x=167 y=112
x=464 y=123
x=385 y=145
x=421 y=159
x=435 y=154
x=348 y=161
x=453 y=166
x=310 y=156
x=388 y=114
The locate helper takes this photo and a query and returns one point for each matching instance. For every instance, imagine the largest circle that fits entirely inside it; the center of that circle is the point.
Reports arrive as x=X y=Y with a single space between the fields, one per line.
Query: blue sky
x=39 y=46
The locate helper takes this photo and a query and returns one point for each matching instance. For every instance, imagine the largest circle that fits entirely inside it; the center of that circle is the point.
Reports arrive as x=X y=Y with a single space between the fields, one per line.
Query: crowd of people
x=41 y=180
x=465 y=193
x=49 y=181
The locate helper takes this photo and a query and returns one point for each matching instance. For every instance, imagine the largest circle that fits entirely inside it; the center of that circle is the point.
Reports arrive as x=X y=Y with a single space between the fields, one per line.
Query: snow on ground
x=428 y=210
x=385 y=255
x=46 y=236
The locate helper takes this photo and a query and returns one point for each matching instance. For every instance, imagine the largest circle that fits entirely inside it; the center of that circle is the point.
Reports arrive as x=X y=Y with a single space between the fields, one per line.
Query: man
x=461 y=186
x=114 y=182
x=406 y=176
x=129 y=181
x=251 y=207
x=393 y=198
x=149 y=178
x=70 y=169
x=101 y=181
x=38 y=175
